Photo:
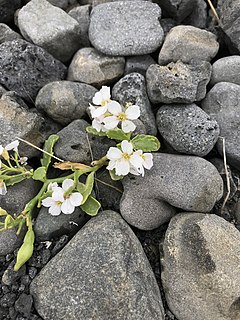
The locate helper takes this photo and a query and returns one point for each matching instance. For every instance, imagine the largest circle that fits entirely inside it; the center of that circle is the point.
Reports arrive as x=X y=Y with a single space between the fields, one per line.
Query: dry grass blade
x=68 y=165
x=226 y=173
x=213 y=10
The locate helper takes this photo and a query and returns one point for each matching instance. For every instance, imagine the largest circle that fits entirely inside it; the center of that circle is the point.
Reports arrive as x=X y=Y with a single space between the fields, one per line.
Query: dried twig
x=213 y=11
x=226 y=174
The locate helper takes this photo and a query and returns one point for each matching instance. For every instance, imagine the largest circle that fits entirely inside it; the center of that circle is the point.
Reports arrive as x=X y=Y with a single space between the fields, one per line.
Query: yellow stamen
x=126 y=156
x=121 y=116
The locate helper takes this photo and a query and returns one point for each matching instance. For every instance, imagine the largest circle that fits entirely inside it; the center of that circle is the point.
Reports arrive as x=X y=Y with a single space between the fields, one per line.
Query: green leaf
x=15 y=179
x=114 y=176
x=145 y=143
x=48 y=146
x=88 y=187
x=91 y=206
x=40 y=174
x=118 y=134
x=91 y=130
x=80 y=187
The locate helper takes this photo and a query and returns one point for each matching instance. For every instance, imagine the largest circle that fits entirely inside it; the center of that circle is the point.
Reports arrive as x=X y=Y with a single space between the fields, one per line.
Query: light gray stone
x=25 y=68
x=102 y=273
x=175 y=181
x=186 y=43
x=47 y=226
x=65 y=101
x=188 y=129
x=50 y=28
x=132 y=88
x=138 y=64
x=17 y=121
x=7 y=34
x=222 y=104
x=226 y=69
x=7 y=9
x=74 y=144
x=82 y=15
x=178 y=82
x=92 y=67
x=126 y=28
x=201 y=267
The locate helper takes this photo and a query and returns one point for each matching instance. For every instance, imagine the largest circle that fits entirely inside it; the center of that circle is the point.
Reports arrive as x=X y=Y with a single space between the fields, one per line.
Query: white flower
x=145 y=161
x=98 y=117
x=119 y=115
x=52 y=186
x=102 y=97
x=11 y=146
x=59 y=201
x=23 y=161
x=3 y=189
x=124 y=161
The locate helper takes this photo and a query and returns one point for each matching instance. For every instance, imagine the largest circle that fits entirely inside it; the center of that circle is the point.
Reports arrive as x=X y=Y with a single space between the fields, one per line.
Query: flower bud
x=26 y=250
x=5 y=155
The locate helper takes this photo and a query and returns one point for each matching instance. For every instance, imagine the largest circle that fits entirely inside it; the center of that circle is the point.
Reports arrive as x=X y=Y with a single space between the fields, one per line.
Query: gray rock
x=188 y=129
x=226 y=69
x=2 y=91
x=221 y=103
x=65 y=101
x=198 y=16
x=112 y=277
x=201 y=267
x=132 y=88
x=167 y=24
x=186 y=43
x=229 y=12
x=7 y=34
x=126 y=28
x=24 y=304
x=97 y=2
x=177 y=9
x=47 y=226
x=26 y=68
x=187 y=182
x=74 y=144
x=82 y=15
x=10 y=276
x=7 y=9
x=50 y=28
x=178 y=82
x=92 y=67
x=63 y=4
x=17 y=121
x=138 y=64
x=9 y=241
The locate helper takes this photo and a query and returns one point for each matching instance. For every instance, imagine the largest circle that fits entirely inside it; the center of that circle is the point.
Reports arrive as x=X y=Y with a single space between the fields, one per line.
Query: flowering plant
x=63 y=194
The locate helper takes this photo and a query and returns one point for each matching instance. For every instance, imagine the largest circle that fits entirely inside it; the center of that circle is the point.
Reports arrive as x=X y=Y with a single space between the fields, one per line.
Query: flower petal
x=67 y=183
x=126 y=147
x=114 y=107
x=1 y=149
x=97 y=99
x=105 y=92
x=133 y=112
x=58 y=194
x=122 y=167
x=12 y=145
x=48 y=202
x=55 y=210
x=134 y=171
x=3 y=188
x=128 y=126
x=97 y=125
x=111 y=164
x=52 y=185
x=99 y=111
x=76 y=199
x=67 y=207
x=114 y=153
x=136 y=160
x=110 y=122
x=148 y=160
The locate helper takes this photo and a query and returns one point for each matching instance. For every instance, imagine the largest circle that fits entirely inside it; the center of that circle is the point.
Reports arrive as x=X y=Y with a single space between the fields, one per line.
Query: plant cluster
x=64 y=193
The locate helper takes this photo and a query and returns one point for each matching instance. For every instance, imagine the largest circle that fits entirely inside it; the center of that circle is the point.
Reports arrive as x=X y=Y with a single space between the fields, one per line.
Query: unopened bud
x=26 y=250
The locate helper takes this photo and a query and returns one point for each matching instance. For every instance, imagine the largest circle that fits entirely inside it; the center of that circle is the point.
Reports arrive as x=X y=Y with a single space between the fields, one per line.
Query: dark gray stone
x=167 y=24
x=132 y=88
x=222 y=104
x=65 y=101
x=188 y=129
x=7 y=34
x=200 y=266
x=92 y=67
x=177 y=9
x=226 y=69
x=82 y=15
x=9 y=240
x=50 y=28
x=24 y=304
x=198 y=16
x=229 y=12
x=186 y=43
x=126 y=28
x=47 y=226
x=178 y=82
x=26 y=68
x=175 y=181
x=2 y=91
x=74 y=144
x=138 y=64
x=7 y=9
x=17 y=121
x=102 y=273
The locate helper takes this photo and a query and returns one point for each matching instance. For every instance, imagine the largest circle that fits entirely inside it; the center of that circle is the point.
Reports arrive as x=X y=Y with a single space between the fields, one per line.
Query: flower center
x=126 y=156
x=59 y=203
x=121 y=116
x=105 y=102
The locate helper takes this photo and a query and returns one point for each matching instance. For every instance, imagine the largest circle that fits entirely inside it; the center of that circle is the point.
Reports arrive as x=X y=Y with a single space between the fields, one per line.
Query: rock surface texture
x=108 y=260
